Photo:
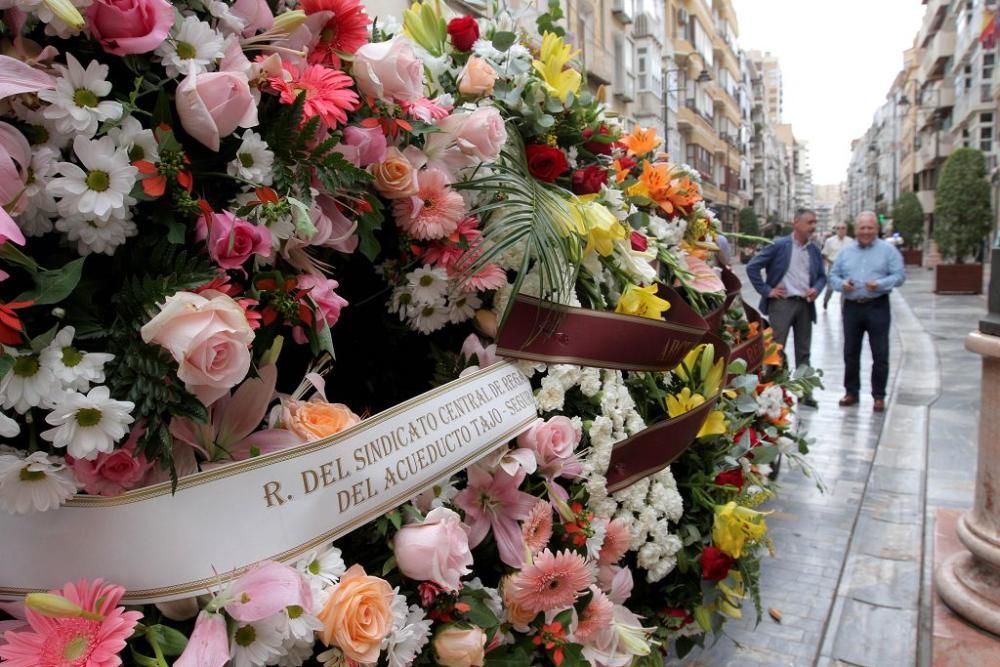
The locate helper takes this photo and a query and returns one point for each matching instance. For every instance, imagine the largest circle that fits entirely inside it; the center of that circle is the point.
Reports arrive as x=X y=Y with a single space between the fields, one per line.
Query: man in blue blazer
x=794 y=276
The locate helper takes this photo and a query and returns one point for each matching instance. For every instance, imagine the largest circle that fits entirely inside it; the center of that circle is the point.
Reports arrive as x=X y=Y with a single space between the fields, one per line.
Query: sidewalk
x=851 y=576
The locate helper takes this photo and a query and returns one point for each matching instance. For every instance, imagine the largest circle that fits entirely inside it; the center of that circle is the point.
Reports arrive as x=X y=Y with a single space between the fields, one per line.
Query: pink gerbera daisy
x=537 y=528
x=552 y=582
x=346 y=32
x=74 y=641
x=327 y=92
x=616 y=542
x=432 y=213
x=595 y=618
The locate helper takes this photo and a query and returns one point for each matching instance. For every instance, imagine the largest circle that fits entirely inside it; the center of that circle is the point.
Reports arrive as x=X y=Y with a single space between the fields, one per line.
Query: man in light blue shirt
x=865 y=273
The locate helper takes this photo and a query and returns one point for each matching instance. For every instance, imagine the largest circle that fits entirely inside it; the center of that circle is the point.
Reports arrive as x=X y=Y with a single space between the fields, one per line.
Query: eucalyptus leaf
x=504 y=40
x=54 y=286
x=765 y=454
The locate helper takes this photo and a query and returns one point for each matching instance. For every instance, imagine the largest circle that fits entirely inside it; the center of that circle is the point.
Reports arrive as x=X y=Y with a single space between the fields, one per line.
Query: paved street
x=852 y=569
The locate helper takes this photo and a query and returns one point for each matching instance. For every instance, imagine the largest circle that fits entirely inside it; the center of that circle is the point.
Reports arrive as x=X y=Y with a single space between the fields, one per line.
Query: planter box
x=958 y=279
x=913 y=257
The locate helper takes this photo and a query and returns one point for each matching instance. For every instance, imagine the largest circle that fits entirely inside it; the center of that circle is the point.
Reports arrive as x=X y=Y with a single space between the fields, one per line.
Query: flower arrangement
x=231 y=229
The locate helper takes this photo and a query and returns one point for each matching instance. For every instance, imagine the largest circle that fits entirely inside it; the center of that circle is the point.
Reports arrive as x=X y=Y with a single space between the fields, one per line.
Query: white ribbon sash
x=162 y=546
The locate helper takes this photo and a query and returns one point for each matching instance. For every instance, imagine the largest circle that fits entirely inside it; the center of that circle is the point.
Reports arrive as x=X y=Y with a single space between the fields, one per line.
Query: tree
x=963 y=211
x=748 y=222
x=908 y=219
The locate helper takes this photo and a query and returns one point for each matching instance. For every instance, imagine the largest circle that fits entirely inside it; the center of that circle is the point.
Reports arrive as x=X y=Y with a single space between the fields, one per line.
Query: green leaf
x=144 y=660
x=479 y=613
x=503 y=40
x=9 y=252
x=176 y=232
x=396 y=518
x=54 y=286
x=6 y=363
x=507 y=657
x=162 y=113
x=738 y=367
x=765 y=454
x=389 y=566
x=40 y=342
x=170 y=641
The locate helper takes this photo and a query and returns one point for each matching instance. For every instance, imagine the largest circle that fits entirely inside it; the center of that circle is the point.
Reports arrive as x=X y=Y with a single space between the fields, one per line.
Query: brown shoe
x=879 y=405
x=848 y=400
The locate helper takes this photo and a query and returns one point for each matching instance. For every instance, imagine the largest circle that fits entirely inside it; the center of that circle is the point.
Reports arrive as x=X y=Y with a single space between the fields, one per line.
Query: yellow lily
x=730 y=600
x=424 y=24
x=600 y=226
x=554 y=56
x=715 y=424
x=642 y=301
x=683 y=402
x=735 y=525
x=66 y=11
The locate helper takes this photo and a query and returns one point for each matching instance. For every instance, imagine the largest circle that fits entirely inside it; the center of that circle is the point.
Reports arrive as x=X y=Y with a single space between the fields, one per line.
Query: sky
x=838 y=59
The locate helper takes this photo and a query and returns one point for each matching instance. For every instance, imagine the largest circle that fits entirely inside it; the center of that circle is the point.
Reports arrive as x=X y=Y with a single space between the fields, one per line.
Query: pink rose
x=126 y=27
x=436 y=550
x=480 y=134
x=460 y=647
x=213 y=105
x=208 y=336
x=552 y=441
x=389 y=71
x=328 y=303
x=255 y=15
x=232 y=240
x=115 y=473
x=370 y=142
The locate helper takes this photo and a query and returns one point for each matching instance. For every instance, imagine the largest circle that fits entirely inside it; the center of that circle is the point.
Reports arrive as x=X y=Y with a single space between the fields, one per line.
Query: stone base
x=955 y=643
x=970 y=589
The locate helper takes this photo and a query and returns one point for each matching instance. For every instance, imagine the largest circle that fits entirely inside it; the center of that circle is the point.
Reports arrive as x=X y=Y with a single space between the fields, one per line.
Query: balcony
x=926 y=198
x=625 y=90
x=646 y=25
x=933 y=151
x=649 y=104
x=939 y=49
x=623 y=10
x=969 y=103
x=597 y=61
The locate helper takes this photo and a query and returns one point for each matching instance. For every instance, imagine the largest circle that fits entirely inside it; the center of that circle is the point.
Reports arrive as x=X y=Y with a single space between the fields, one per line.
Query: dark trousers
x=792 y=314
x=872 y=317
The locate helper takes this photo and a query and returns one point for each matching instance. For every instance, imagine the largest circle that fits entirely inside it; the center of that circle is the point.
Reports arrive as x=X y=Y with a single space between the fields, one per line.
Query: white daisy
x=402 y=302
x=87 y=425
x=334 y=657
x=36 y=219
x=410 y=633
x=194 y=43
x=321 y=569
x=34 y=484
x=75 y=369
x=39 y=130
x=429 y=317
x=427 y=285
x=103 y=188
x=257 y=644
x=253 y=160
x=8 y=427
x=93 y=235
x=300 y=625
x=75 y=104
x=28 y=384
x=138 y=142
x=295 y=652
x=462 y=306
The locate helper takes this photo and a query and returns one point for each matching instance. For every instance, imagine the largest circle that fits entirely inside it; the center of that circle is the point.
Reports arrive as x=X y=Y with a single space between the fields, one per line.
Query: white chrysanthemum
x=194 y=43
x=410 y=633
x=75 y=369
x=101 y=189
x=402 y=302
x=37 y=483
x=139 y=143
x=300 y=624
x=551 y=396
x=427 y=285
x=257 y=644
x=8 y=427
x=294 y=652
x=28 y=384
x=93 y=235
x=321 y=569
x=253 y=161
x=771 y=402
x=462 y=306
x=75 y=103
x=429 y=317
x=334 y=657
x=36 y=219
x=88 y=425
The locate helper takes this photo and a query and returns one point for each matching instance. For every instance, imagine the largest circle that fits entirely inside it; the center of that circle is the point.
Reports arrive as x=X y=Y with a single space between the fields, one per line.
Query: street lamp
x=703 y=77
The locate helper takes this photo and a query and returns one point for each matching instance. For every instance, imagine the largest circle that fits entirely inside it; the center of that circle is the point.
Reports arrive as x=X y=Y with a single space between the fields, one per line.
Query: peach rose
x=395 y=177
x=208 y=336
x=460 y=647
x=315 y=419
x=357 y=615
x=515 y=614
x=477 y=78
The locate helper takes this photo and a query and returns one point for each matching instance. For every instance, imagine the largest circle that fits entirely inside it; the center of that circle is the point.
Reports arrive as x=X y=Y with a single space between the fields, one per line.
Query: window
x=989 y=59
x=700 y=158
x=986 y=117
x=641 y=66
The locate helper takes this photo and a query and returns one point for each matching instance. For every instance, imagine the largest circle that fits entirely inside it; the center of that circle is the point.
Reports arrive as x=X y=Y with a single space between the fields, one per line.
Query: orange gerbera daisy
x=641 y=141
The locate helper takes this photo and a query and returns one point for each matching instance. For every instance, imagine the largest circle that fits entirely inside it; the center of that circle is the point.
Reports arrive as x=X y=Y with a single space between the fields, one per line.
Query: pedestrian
x=794 y=277
x=831 y=248
x=865 y=272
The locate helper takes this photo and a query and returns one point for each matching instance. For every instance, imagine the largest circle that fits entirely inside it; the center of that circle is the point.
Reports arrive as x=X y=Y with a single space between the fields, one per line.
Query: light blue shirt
x=879 y=262
x=796 y=280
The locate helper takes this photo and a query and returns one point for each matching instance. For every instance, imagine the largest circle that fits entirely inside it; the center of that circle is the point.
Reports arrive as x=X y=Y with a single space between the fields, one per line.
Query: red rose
x=732 y=477
x=677 y=612
x=715 y=564
x=545 y=162
x=638 y=241
x=597 y=147
x=464 y=32
x=589 y=180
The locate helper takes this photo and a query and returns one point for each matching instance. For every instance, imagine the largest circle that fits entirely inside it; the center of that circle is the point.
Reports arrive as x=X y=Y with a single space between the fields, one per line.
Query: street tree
x=908 y=219
x=963 y=212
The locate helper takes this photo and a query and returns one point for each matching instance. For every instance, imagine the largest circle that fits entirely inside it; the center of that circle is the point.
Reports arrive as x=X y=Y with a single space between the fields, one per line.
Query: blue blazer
x=774 y=260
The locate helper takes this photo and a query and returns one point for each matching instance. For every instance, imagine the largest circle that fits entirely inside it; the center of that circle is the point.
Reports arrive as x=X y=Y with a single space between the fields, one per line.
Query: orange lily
x=641 y=141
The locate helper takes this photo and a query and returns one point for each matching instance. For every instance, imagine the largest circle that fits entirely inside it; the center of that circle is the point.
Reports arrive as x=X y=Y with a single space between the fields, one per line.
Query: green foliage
x=299 y=154
x=547 y=22
x=963 y=210
x=748 y=222
x=908 y=219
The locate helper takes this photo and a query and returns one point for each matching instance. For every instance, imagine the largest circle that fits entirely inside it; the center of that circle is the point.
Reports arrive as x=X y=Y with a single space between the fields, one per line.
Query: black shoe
x=809 y=402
